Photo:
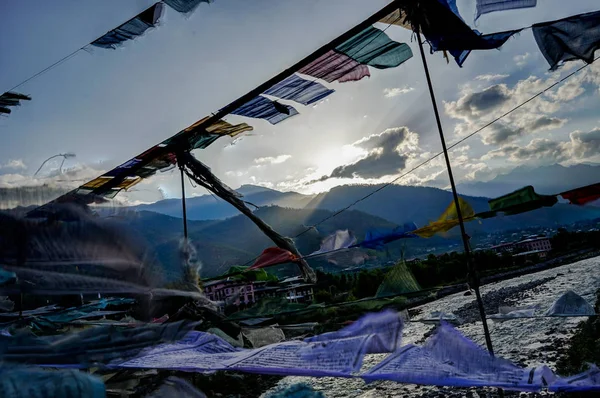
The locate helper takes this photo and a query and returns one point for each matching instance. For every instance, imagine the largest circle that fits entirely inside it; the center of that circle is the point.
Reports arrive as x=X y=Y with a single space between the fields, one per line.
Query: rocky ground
x=528 y=342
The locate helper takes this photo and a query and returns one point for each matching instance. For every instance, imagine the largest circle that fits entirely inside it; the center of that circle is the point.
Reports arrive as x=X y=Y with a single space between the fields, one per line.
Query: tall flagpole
x=465 y=238
x=185 y=229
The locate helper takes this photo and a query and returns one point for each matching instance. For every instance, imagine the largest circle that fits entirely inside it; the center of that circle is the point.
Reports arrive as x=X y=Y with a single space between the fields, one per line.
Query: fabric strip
x=131 y=29
x=300 y=90
x=374 y=48
x=583 y=195
x=576 y=37
x=333 y=66
x=184 y=6
x=487 y=6
x=263 y=108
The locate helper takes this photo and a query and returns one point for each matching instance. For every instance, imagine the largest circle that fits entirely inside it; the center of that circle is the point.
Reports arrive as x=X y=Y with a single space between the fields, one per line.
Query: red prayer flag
x=581 y=196
x=273 y=256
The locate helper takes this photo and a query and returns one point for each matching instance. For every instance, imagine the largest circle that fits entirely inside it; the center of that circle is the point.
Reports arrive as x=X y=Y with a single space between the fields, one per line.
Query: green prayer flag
x=398 y=280
x=374 y=48
x=520 y=201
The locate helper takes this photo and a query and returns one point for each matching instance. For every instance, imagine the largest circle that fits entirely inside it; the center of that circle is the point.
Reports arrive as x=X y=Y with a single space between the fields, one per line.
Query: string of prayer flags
x=9 y=99
x=300 y=90
x=333 y=66
x=184 y=6
x=575 y=37
x=348 y=61
x=273 y=256
x=520 y=201
x=448 y=219
x=263 y=108
x=583 y=195
x=131 y=29
x=488 y=6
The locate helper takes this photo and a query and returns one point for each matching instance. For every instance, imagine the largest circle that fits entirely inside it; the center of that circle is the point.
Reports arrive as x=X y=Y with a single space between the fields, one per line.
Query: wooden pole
x=465 y=238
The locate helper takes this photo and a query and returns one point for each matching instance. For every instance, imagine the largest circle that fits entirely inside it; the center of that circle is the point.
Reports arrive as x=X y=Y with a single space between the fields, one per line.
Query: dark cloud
x=486 y=100
x=501 y=133
x=581 y=145
x=388 y=153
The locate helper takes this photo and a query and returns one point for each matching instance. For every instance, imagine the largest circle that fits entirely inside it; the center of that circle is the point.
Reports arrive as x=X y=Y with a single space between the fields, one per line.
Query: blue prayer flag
x=263 y=108
x=300 y=90
x=131 y=29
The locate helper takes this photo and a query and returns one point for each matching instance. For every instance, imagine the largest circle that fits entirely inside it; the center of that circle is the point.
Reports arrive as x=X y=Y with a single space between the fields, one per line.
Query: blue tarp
x=263 y=108
x=300 y=90
x=374 y=48
x=131 y=29
x=575 y=37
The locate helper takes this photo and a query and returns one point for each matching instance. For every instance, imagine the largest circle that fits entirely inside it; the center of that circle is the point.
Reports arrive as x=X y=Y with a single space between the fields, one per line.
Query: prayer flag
x=575 y=37
x=131 y=29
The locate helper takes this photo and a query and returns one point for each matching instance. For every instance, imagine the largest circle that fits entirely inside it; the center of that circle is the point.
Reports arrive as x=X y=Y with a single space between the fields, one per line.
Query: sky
x=106 y=106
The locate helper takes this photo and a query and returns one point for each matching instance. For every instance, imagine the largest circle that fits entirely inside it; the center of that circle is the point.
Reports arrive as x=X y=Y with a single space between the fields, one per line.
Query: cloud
x=489 y=78
x=272 y=160
x=14 y=164
x=500 y=133
x=584 y=145
x=521 y=60
x=471 y=105
x=474 y=109
x=581 y=145
x=386 y=154
x=396 y=91
x=70 y=178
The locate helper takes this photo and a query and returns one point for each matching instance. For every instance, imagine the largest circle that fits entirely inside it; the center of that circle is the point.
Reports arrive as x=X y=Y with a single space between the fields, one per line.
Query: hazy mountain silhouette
x=209 y=207
x=236 y=240
x=546 y=179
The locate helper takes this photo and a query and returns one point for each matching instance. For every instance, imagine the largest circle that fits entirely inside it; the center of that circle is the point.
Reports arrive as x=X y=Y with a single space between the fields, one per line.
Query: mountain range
x=222 y=242
x=399 y=203
x=547 y=180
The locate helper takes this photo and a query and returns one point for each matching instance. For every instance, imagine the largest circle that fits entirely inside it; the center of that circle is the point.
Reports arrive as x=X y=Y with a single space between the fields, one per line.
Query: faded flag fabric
x=263 y=108
x=445 y=30
x=520 y=201
x=300 y=90
x=30 y=382
x=273 y=256
x=374 y=48
x=583 y=195
x=9 y=99
x=375 y=239
x=184 y=6
x=575 y=37
x=487 y=6
x=448 y=219
x=333 y=66
x=131 y=29
x=450 y=359
x=220 y=127
x=341 y=239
